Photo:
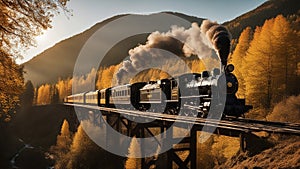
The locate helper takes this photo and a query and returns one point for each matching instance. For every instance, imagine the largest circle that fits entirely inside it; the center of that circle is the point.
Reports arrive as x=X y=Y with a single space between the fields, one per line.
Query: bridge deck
x=239 y=125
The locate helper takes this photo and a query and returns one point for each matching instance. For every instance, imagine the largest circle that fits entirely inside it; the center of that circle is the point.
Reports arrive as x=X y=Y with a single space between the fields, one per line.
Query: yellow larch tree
x=285 y=55
x=238 y=57
x=257 y=70
x=62 y=147
x=134 y=150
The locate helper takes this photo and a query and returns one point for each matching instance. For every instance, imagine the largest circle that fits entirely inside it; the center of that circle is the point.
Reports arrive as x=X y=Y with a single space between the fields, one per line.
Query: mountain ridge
x=67 y=50
x=256 y=17
x=58 y=61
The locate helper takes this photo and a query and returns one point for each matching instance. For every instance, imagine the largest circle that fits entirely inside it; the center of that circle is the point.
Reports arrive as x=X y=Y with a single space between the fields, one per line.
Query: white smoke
x=179 y=41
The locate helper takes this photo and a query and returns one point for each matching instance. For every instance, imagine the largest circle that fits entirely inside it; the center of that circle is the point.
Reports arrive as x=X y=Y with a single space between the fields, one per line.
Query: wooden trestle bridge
x=118 y=119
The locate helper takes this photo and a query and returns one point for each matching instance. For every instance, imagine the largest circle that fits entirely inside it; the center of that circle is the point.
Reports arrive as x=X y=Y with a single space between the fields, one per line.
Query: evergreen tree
x=28 y=95
x=54 y=94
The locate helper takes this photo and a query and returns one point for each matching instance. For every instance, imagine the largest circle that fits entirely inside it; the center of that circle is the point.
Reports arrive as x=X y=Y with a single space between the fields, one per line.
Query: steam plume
x=219 y=37
x=178 y=41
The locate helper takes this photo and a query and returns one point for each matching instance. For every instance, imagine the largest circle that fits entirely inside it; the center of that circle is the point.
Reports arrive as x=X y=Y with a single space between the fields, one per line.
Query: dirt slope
x=285 y=155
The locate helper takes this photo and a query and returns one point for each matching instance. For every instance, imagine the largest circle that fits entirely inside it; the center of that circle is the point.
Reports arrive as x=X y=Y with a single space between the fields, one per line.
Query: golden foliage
x=11 y=85
x=133 y=151
x=79 y=149
x=105 y=77
x=204 y=155
x=266 y=65
x=62 y=147
x=64 y=88
x=287 y=110
x=238 y=57
x=43 y=96
x=22 y=20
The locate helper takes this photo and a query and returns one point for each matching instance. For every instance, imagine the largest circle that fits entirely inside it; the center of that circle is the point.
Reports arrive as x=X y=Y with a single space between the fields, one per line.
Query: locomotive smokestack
x=219 y=37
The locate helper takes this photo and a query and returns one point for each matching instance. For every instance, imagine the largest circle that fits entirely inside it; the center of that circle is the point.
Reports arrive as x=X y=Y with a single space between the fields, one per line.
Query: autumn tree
x=64 y=88
x=21 y=21
x=287 y=110
x=11 y=85
x=62 y=147
x=224 y=148
x=238 y=57
x=257 y=70
x=85 y=82
x=133 y=151
x=85 y=153
x=44 y=95
x=270 y=65
x=285 y=58
x=205 y=157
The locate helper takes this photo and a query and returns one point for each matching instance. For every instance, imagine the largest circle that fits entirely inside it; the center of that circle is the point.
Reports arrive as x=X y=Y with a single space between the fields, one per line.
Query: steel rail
x=243 y=125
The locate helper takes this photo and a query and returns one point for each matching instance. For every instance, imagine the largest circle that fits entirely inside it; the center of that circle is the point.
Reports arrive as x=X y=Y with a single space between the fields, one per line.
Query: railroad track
x=282 y=124
x=237 y=124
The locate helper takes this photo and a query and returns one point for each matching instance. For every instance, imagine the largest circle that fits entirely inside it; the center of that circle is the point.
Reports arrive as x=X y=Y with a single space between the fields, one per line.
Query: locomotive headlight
x=229 y=84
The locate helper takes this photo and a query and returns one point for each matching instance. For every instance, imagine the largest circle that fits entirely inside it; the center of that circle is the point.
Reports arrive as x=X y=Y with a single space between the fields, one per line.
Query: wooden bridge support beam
x=114 y=121
x=193 y=148
x=242 y=142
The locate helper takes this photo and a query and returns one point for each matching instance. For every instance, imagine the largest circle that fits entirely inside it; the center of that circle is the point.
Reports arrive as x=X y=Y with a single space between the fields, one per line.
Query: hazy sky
x=86 y=13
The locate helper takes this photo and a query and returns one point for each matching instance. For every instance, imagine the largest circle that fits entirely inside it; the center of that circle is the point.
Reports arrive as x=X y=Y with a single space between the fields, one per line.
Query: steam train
x=192 y=94
x=188 y=94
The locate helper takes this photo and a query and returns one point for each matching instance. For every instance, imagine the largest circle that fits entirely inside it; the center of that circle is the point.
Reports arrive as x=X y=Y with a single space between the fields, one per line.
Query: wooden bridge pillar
x=113 y=120
x=193 y=148
x=242 y=142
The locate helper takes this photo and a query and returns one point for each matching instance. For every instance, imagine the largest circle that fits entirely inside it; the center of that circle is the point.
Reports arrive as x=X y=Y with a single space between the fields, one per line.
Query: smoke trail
x=219 y=37
x=178 y=41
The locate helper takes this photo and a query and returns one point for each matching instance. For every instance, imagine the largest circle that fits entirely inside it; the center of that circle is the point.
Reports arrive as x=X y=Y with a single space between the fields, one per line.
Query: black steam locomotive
x=188 y=94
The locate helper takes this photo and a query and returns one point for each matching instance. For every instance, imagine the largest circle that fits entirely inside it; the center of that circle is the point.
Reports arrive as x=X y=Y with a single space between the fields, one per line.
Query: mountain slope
x=59 y=60
x=257 y=17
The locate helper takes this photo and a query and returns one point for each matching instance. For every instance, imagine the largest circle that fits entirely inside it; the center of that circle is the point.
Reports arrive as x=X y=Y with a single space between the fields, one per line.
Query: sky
x=87 y=13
